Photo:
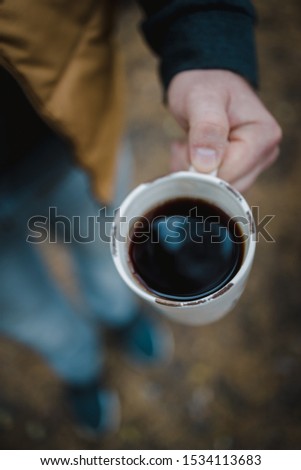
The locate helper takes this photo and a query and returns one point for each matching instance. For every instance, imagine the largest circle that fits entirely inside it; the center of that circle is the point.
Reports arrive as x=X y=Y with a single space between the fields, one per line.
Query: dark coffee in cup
x=185 y=249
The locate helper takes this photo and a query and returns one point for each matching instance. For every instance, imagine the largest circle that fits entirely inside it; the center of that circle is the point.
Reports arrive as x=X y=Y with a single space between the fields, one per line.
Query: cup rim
x=141 y=290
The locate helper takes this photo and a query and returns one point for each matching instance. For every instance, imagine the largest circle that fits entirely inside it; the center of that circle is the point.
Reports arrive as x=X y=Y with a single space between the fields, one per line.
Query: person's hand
x=228 y=127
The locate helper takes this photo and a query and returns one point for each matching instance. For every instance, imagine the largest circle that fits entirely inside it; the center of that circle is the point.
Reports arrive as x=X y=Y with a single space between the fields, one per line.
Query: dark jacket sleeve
x=201 y=34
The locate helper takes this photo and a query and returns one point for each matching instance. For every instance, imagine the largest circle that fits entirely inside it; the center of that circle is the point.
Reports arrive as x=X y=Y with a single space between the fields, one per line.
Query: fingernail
x=205 y=159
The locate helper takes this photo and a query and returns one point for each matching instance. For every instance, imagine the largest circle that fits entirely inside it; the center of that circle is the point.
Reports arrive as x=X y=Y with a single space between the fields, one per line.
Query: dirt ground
x=235 y=384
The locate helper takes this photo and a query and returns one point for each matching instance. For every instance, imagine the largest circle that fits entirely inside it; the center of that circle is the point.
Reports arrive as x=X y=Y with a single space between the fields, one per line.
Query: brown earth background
x=235 y=384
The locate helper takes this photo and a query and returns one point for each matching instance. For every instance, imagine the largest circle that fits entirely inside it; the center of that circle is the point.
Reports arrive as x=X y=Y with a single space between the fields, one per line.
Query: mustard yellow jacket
x=64 y=56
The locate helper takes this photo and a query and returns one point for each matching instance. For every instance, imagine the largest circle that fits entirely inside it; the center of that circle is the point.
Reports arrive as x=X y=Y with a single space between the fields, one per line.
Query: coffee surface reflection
x=185 y=249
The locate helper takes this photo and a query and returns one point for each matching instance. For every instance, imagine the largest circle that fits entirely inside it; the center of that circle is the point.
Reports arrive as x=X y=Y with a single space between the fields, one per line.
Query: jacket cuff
x=208 y=40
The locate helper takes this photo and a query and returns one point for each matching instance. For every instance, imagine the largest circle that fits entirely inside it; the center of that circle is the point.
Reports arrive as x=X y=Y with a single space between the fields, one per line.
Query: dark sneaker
x=95 y=410
x=146 y=341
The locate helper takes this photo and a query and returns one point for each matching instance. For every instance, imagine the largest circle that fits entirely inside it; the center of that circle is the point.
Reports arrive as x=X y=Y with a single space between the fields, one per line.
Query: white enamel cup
x=198 y=186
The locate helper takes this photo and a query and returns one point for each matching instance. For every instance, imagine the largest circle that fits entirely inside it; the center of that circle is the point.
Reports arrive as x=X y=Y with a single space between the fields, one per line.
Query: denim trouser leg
x=105 y=294
x=33 y=310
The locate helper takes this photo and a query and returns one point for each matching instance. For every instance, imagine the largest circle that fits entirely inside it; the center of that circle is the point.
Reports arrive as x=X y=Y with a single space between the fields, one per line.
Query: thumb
x=208 y=132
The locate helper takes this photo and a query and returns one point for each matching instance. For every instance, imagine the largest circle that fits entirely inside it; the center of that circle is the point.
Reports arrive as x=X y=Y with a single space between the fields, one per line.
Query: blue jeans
x=34 y=309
